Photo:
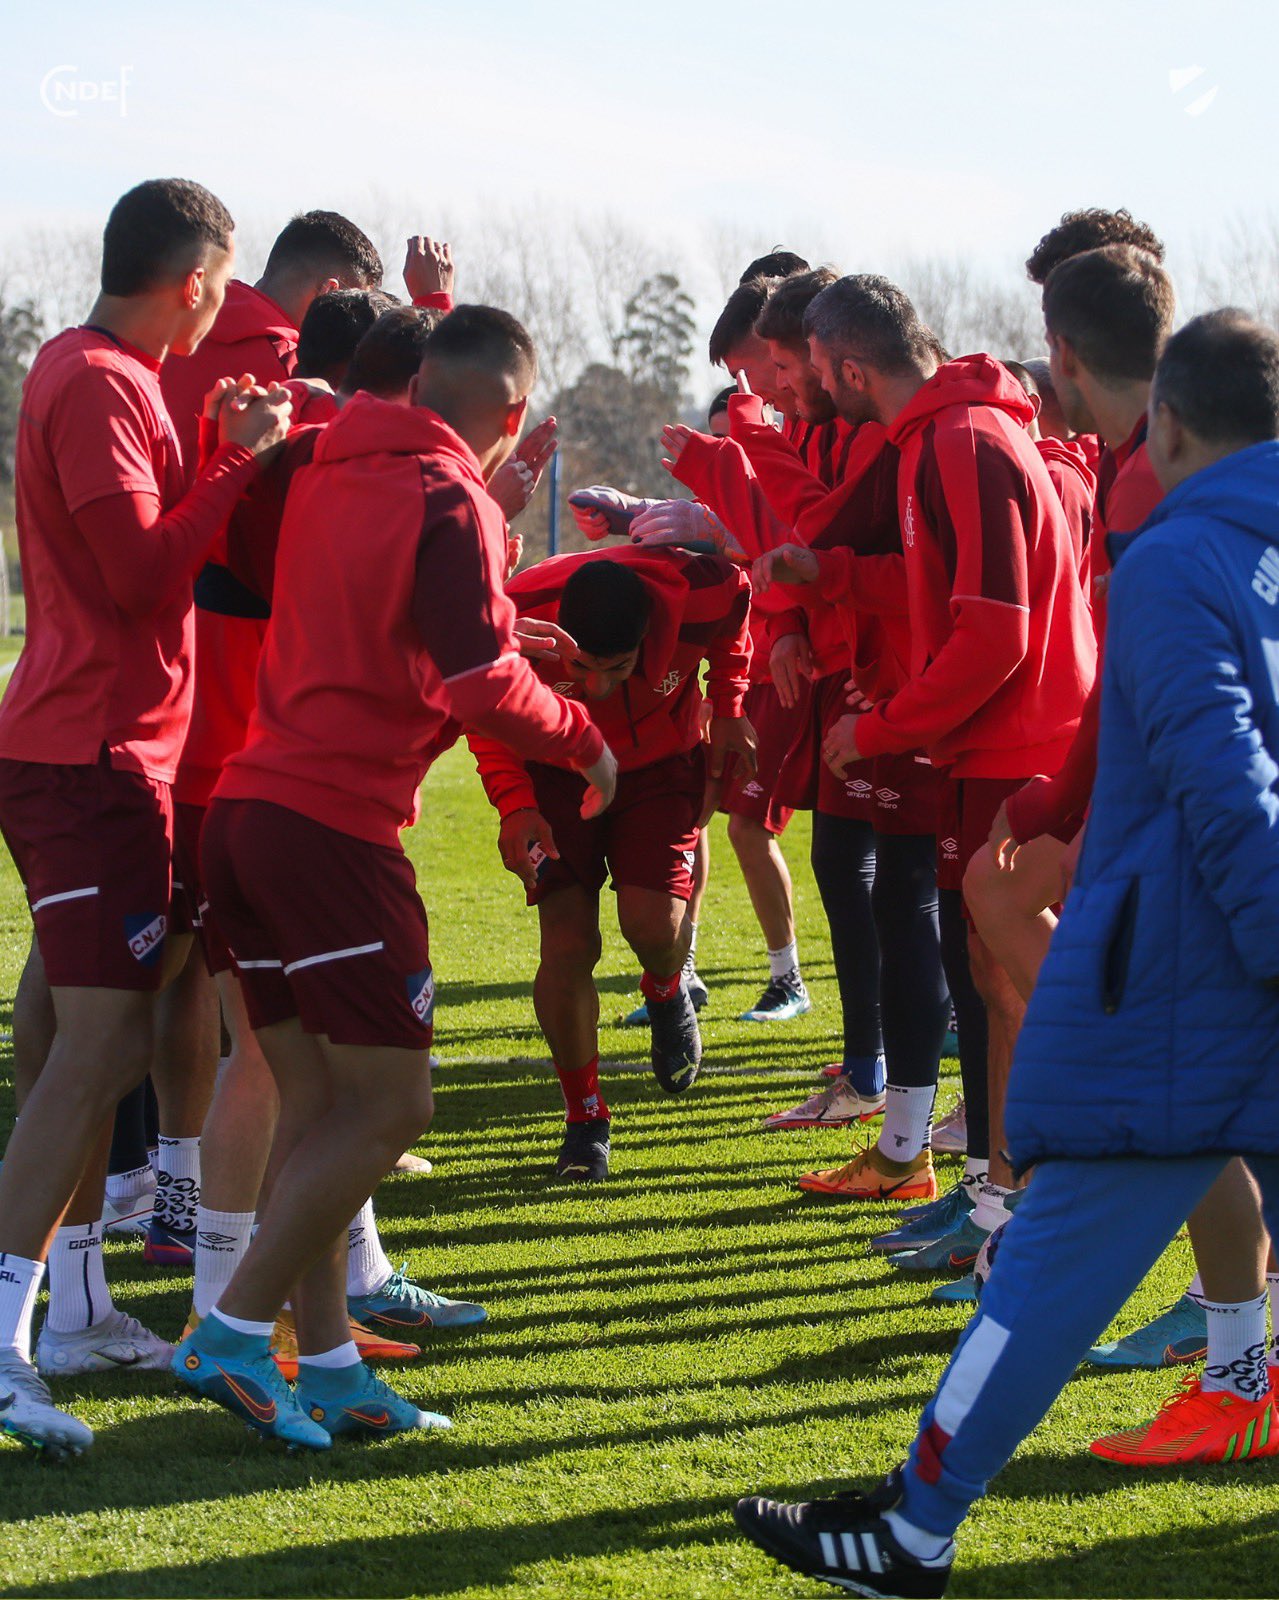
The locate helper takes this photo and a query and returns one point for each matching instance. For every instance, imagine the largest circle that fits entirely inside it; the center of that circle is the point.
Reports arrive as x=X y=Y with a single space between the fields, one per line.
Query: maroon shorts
x=188 y=887
x=776 y=730
x=806 y=783
x=647 y=839
x=321 y=926
x=92 y=845
x=966 y=811
x=905 y=794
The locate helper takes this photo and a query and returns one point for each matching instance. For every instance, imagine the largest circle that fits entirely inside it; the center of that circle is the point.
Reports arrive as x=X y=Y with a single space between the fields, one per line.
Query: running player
x=639 y=625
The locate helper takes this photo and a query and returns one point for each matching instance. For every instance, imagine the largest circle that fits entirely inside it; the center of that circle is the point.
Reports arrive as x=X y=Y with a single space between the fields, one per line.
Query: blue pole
x=553 y=528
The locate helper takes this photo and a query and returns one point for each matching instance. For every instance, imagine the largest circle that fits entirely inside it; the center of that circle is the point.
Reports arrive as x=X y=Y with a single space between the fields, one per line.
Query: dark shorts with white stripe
x=92 y=844
x=321 y=926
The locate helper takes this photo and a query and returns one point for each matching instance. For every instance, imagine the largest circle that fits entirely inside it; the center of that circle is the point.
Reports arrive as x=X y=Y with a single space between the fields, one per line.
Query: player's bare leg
x=1011 y=906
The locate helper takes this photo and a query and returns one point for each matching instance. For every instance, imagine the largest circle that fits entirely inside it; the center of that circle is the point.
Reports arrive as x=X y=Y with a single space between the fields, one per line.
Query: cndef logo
x=63 y=91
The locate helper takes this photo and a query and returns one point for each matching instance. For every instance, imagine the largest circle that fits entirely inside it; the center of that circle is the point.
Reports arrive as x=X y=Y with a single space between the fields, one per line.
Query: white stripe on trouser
x=967 y=1373
x=70 y=894
x=828 y=1549
x=334 y=955
x=255 y=966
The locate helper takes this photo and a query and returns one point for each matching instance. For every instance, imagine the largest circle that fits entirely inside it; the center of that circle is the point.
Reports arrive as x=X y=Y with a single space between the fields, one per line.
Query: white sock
x=1196 y=1289
x=1272 y=1289
x=975 y=1174
x=908 y=1116
x=925 y=1547
x=19 y=1285
x=78 y=1293
x=221 y=1239
x=367 y=1267
x=343 y=1355
x=784 y=961
x=177 y=1182
x=255 y=1330
x=990 y=1211
x=692 y=938
x=1237 y=1348
x=130 y=1185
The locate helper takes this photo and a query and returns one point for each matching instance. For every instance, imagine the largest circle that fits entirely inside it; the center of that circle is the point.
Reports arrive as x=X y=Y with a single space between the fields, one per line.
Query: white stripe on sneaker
x=828 y=1549
x=334 y=955
x=70 y=894
x=871 y=1551
x=852 y=1556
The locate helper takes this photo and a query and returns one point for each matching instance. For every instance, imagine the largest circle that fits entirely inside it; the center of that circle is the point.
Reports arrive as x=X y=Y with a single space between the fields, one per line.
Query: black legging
x=843 y=857
x=913 y=997
x=970 y=1019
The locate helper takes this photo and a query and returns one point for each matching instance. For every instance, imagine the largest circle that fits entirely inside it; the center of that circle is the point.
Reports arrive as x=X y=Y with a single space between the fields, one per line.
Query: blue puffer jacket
x=1152 y=1031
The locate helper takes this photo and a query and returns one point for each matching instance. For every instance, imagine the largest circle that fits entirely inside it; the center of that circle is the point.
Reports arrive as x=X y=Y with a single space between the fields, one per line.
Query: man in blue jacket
x=1152 y=1040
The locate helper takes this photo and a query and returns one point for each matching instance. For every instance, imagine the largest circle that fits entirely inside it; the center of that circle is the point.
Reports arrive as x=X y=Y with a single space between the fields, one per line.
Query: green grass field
x=693 y=1330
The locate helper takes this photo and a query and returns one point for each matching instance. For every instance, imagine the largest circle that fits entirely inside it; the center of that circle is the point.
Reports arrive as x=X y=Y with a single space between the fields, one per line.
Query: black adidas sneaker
x=846 y=1542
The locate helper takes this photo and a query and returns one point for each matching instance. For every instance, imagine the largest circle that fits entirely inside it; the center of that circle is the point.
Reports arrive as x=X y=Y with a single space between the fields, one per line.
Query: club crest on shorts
x=145 y=937
x=420 y=987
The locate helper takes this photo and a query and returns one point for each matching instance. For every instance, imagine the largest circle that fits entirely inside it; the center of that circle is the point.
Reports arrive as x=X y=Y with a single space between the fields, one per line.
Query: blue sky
x=857 y=131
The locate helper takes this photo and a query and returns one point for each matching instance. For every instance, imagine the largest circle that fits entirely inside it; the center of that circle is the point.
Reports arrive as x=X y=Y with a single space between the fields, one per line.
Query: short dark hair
x=1220 y=374
x=605 y=605
x=485 y=339
x=1040 y=374
x=325 y=244
x=1089 y=230
x=778 y=263
x=737 y=320
x=332 y=327
x=720 y=403
x=159 y=231
x=871 y=317
x=1115 y=306
x=388 y=356
x=782 y=316
x=1023 y=375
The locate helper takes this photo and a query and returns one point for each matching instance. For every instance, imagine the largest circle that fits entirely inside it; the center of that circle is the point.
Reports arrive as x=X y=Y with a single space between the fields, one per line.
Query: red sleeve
x=465 y=620
x=869 y=583
x=790 y=487
x=728 y=650
x=441 y=300
x=144 y=554
x=976 y=502
x=721 y=477
x=1058 y=805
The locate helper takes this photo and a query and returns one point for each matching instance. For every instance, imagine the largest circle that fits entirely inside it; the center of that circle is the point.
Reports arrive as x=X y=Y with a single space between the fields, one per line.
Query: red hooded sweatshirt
x=1128 y=493
x=700 y=613
x=390 y=628
x=1002 y=647
x=1076 y=484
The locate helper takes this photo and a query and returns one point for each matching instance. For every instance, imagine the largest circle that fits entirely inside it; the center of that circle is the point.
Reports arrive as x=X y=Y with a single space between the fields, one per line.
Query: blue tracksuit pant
x=1076 y=1248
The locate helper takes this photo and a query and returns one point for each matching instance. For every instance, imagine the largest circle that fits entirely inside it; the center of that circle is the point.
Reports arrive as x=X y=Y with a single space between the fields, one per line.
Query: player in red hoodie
x=1002 y=646
x=640 y=624
x=389 y=627
x=90 y=731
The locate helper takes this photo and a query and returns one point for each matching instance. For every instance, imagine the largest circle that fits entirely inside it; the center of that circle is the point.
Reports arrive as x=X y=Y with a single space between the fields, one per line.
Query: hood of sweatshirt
x=970 y=381
x=247 y=313
x=367 y=426
x=1068 y=453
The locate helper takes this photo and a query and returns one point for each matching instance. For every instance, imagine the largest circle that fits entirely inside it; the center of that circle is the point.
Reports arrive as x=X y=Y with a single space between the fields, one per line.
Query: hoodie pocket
x=1118 y=952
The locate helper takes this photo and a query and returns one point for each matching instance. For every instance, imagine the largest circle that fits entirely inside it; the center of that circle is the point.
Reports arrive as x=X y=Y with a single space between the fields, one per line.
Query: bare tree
x=1243 y=270
x=969 y=311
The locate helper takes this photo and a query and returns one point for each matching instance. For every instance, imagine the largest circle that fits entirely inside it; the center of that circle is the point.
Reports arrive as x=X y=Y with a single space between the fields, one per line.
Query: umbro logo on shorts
x=145 y=936
x=859 y=786
x=949 y=847
x=753 y=788
x=565 y=688
x=887 y=797
x=421 y=992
